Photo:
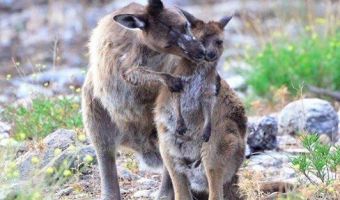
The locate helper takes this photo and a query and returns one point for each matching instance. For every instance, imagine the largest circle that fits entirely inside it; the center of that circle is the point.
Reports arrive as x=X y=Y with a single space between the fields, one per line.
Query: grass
x=43 y=116
x=312 y=59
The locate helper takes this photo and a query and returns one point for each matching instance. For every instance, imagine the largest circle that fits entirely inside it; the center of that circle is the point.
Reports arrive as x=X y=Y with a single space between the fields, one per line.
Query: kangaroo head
x=211 y=34
x=164 y=30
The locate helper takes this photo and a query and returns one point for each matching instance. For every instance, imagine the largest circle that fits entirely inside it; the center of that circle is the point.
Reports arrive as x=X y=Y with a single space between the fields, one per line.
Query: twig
x=321 y=91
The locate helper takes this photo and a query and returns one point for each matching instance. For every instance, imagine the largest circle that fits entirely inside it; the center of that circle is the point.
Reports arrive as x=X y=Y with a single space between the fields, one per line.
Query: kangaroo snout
x=200 y=54
x=211 y=56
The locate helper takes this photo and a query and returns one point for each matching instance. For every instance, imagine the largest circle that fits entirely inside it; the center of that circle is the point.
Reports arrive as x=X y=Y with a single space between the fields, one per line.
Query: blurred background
x=276 y=52
x=43 y=44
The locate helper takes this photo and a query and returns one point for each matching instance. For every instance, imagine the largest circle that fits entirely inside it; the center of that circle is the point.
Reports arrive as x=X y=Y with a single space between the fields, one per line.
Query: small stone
x=324 y=139
x=64 y=192
x=147 y=183
x=125 y=174
x=142 y=194
x=4 y=130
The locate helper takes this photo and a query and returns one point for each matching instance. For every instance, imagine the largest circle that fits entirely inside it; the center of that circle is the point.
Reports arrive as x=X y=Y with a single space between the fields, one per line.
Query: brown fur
x=220 y=158
x=183 y=155
x=119 y=114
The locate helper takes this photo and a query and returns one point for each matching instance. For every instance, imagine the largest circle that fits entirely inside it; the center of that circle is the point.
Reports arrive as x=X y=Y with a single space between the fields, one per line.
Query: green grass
x=43 y=117
x=312 y=59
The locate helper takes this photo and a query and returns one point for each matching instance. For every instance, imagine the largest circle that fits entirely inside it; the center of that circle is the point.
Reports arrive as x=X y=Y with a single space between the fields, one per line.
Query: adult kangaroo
x=117 y=113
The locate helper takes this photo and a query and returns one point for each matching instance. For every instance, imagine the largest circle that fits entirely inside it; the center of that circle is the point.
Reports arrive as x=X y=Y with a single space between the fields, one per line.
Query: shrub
x=322 y=161
x=43 y=117
x=312 y=59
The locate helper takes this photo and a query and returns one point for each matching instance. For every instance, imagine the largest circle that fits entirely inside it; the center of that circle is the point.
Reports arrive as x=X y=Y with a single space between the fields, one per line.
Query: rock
x=274 y=166
x=58 y=81
x=309 y=115
x=74 y=157
x=58 y=140
x=262 y=135
x=9 y=142
x=324 y=139
x=125 y=174
x=338 y=136
x=52 y=146
x=290 y=144
x=237 y=82
x=25 y=90
x=247 y=151
x=64 y=192
x=4 y=130
x=8 y=192
x=142 y=194
x=147 y=183
x=337 y=143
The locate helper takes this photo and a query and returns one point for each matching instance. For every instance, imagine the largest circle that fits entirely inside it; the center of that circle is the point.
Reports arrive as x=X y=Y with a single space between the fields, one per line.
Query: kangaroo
x=202 y=86
x=194 y=165
x=116 y=113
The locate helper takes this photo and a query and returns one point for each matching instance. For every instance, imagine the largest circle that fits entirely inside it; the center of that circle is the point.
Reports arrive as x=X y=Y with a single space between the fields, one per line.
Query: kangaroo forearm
x=141 y=76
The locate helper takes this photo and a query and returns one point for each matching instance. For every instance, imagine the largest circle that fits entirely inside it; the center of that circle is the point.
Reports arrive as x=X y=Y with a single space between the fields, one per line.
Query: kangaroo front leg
x=142 y=76
x=207 y=107
x=180 y=124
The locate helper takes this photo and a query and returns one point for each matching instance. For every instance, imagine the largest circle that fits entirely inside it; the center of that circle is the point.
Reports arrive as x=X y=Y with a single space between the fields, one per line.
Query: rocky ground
x=43 y=52
x=270 y=149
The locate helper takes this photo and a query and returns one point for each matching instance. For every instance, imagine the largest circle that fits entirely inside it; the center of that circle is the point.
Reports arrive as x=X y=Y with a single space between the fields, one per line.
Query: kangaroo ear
x=155 y=7
x=191 y=19
x=130 y=21
x=224 y=21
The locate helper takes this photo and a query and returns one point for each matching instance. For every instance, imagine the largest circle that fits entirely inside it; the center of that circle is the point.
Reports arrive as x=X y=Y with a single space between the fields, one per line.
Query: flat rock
x=273 y=165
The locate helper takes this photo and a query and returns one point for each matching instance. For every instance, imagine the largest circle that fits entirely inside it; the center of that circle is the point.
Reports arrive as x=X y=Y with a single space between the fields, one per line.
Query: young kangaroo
x=193 y=164
x=116 y=113
x=202 y=86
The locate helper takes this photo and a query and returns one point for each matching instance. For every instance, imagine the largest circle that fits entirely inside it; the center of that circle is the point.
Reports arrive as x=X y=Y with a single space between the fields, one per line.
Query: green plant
x=321 y=161
x=310 y=60
x=43 y=116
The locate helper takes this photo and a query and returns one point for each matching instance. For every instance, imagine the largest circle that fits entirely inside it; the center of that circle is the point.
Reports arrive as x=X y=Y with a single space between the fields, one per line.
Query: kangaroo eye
x=219 y=42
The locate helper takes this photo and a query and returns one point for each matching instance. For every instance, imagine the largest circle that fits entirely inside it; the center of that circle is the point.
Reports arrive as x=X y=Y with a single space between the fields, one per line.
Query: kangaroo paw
x=130 y=77
x=206 y=134
x=175 y=84
x=181 y=127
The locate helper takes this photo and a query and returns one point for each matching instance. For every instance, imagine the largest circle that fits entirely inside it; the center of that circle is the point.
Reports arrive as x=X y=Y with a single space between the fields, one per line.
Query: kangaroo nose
x=211 y=56
x=201 y=54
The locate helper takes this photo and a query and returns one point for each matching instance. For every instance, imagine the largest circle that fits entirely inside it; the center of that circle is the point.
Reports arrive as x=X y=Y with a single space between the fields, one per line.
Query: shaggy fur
x=116 y=113
x=204 y=167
